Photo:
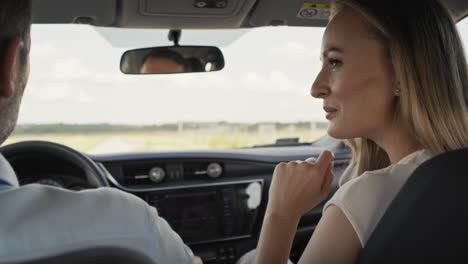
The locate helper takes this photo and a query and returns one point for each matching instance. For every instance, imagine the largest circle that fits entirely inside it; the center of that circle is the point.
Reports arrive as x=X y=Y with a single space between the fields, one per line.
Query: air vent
x=150 y=174
x=138 y=174
x=202 y=170
x=192 y=168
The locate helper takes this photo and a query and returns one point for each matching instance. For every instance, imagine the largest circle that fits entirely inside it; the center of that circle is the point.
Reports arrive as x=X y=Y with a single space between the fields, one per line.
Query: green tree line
x=61 y=128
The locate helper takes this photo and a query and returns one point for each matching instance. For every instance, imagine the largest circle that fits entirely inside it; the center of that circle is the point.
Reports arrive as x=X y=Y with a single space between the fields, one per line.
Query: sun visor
x=99 y=13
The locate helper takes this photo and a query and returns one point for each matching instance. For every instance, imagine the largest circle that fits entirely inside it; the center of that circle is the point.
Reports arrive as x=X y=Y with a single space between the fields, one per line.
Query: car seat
x=427 y=222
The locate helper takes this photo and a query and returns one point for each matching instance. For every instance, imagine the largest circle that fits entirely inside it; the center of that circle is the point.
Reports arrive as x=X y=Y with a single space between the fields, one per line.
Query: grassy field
x=145 y=141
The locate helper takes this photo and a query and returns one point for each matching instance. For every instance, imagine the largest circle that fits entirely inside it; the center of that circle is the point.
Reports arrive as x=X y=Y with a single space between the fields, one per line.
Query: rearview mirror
x=172 y=59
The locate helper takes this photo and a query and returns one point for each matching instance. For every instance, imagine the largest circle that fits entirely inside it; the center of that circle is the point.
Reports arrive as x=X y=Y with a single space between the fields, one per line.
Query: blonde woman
x=394 y=84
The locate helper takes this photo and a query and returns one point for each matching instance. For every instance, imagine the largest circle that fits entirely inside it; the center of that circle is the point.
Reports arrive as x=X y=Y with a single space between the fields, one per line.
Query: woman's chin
x=336 y=132
x=331 y=131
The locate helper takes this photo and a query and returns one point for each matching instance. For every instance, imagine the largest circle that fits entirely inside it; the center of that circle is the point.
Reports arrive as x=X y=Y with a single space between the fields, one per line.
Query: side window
x=463 y=29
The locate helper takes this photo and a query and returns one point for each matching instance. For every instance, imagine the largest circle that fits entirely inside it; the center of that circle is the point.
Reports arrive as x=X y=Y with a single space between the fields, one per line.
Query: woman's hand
x=299 y=186
x=197 y=260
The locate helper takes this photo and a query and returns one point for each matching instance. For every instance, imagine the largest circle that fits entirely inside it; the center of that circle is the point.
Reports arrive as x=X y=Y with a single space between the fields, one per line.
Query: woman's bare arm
x=276 y=239
x=334 y=240
x=296 y=187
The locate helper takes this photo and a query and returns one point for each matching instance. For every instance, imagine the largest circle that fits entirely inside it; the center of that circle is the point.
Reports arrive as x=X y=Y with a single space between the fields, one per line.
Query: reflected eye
x=334 y=63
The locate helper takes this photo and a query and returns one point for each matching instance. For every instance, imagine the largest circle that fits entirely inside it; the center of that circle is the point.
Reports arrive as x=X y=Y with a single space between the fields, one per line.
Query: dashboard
x=215 y=200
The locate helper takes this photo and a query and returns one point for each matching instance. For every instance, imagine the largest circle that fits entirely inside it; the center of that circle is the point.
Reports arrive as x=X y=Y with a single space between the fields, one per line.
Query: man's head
x=166 y=61
x=15 y=24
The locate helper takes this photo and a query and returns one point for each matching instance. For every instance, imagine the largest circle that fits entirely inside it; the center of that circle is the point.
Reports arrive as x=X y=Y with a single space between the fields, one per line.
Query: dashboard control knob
x=214 y=170
x=157 y=174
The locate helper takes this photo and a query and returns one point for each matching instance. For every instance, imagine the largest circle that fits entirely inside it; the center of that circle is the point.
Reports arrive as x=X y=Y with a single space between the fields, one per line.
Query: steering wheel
x=94 y=175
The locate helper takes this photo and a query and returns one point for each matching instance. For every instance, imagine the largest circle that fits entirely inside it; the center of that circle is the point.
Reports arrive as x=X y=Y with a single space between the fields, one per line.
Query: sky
x=75 y=78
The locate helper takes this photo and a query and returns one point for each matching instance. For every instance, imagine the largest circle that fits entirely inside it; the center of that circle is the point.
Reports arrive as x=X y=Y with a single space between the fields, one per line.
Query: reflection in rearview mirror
x=172 y=59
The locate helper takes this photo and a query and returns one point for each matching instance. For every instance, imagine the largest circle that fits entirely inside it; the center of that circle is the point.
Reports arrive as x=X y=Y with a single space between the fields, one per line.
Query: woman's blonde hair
x=422 y=43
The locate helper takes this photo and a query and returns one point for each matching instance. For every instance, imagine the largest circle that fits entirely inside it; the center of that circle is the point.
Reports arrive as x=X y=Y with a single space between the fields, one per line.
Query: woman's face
x=356 y=80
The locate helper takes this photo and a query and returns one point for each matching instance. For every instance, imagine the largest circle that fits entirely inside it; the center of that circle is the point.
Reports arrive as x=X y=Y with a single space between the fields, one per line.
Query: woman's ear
x=9 y=66
x=397 y=89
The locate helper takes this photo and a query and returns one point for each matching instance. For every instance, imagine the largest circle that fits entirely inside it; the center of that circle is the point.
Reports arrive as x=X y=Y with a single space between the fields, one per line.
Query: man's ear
x=8 y=66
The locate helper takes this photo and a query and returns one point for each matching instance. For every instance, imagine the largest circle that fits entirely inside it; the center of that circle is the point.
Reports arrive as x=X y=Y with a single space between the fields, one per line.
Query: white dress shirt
x=38 y=220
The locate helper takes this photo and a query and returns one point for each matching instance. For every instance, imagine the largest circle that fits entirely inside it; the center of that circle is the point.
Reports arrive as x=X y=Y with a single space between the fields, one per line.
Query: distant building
x=266 y=128
x=318 y=125
x=180 y=127
x=291 y=128
x=206 y=127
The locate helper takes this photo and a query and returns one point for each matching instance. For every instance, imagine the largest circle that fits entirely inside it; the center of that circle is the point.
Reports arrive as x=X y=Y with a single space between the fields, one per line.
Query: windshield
x=77 y=96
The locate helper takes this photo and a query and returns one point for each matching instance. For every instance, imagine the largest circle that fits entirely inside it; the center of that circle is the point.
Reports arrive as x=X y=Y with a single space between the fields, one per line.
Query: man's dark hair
x=15 y=20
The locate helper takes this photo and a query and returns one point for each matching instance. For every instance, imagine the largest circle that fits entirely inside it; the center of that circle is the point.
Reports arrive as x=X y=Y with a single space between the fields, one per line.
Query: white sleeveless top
x=365 y=199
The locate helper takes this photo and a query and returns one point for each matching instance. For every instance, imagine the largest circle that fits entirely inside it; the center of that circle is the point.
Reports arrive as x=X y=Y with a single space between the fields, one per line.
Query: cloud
x=260 y=82
x=280 y=80
x=43 y=51
x=85 y=98
x=53 y=64
x=49 y=91
x=70 y=69
x=253 y=81
x=294 y=51
x=273 y=82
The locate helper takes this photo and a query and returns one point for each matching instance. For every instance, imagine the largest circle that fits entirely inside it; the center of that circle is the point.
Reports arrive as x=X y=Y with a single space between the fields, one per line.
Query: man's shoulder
x=108 y=203
x=110 y=193
x=102 y=193
x=88 y=193
x=64 y=220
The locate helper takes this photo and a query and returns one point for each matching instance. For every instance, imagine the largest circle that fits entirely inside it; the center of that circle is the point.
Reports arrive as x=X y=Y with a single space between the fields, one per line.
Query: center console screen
x=211 y=213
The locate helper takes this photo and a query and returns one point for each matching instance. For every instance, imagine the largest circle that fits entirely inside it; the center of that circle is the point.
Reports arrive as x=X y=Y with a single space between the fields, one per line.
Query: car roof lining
x=183 y=13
